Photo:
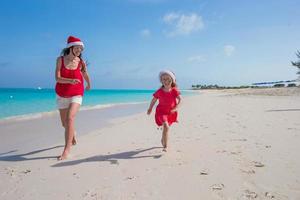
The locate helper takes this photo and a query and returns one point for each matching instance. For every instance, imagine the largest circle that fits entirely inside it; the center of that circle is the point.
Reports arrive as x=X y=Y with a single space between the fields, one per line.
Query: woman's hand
x=75 y=81
x=88 y=87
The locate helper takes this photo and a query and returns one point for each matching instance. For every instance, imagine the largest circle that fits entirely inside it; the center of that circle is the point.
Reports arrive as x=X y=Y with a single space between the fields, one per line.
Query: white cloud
x=229 y=50
x=145 y=33
x=183 y=24
x=198 y=58
x=169 y=18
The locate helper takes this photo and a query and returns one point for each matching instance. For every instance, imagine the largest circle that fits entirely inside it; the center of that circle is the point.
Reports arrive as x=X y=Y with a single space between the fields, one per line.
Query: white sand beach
x=228 y=144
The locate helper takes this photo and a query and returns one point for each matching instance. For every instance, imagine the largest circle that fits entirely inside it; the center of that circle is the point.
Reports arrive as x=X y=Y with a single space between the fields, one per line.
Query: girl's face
x=77 y=50
x=166 y=80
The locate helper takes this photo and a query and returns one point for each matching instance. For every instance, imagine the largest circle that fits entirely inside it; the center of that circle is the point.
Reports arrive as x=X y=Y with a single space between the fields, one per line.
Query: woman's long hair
x=67 y=51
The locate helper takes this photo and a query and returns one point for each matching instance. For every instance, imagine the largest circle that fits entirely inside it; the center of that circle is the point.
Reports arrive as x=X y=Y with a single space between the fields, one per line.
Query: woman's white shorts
x=63 y=103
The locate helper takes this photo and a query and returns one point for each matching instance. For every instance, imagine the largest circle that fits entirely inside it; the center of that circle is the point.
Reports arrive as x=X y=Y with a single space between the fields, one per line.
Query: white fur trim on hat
x=74 y=44
x=170 y=73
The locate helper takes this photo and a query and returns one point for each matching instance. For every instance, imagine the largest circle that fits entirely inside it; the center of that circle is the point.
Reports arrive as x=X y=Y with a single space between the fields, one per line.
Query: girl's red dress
x=167 y=101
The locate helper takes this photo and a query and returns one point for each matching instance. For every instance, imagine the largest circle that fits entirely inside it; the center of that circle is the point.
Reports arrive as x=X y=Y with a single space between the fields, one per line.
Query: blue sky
x=225 y=42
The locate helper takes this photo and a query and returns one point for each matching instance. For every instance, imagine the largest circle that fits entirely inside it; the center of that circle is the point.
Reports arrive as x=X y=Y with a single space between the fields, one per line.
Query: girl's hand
x=149 y=111
x=75 y=81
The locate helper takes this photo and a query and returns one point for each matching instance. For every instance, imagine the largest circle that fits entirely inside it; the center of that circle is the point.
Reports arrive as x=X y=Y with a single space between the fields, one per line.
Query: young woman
x=70 y=74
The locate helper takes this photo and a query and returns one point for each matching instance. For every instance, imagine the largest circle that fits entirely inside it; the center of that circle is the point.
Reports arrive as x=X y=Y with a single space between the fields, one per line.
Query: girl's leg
x=63 y=118
x=72 y=111
x=165 y=135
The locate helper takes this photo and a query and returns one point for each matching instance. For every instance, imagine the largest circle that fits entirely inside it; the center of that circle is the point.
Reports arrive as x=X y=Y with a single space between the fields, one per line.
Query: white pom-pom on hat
x=73 y=41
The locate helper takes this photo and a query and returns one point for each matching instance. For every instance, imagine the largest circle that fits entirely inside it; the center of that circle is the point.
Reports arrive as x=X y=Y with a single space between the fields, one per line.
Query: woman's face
x=77 y=50
x=166 y=80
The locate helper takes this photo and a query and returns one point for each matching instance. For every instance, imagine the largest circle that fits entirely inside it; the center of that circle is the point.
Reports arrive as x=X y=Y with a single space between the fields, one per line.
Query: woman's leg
x=165 y=135
x=63 y=118
x=70 y=118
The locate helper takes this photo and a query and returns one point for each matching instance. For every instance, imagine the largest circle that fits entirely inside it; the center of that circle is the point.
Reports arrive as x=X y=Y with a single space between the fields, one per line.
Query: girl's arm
x=177 y=105
x=153 y=101
x=60 y=79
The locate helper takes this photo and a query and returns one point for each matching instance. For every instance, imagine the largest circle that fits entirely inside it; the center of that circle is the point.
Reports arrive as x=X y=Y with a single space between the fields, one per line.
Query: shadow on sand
x=23 y=157
x=112 y=158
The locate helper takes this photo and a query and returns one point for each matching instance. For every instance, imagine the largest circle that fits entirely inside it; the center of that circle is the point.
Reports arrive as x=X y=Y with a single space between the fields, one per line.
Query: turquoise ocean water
x=20 y=102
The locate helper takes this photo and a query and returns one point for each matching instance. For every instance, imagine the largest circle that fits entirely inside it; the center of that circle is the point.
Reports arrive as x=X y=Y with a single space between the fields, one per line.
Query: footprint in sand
x=249 y=195
x=218 y=190
x=218 y=186
x=13 y=172
x=90 y=194
x=76 y=175
x=248 y=171
x=221 y=151
x=230 y=115
x=204 y=172
x=130 y=178
x=26 y=171
x=10 y=171
x=239 y=140
x=258 y=164
x=269 y=195
x=235 y=152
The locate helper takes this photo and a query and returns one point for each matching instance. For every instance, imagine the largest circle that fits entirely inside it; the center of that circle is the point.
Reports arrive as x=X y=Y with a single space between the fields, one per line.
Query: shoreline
x=14 y=108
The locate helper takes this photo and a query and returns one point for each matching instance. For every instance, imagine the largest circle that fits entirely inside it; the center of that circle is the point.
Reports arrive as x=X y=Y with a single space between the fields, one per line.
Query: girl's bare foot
x=163 y=143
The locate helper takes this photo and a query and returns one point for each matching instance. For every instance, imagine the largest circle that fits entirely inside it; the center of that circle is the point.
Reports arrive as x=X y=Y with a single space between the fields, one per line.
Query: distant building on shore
x=289 y=83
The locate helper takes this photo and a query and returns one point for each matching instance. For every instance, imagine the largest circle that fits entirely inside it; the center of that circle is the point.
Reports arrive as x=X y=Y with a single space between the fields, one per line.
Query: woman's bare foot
x=74 y=141
x=64 y=155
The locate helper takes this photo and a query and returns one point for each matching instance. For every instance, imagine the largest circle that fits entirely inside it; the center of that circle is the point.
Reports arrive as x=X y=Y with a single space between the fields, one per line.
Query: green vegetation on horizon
x=297 y=63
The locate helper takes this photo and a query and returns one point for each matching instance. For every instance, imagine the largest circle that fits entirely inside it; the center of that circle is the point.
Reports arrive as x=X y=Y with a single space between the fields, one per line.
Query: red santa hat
x=73 y=41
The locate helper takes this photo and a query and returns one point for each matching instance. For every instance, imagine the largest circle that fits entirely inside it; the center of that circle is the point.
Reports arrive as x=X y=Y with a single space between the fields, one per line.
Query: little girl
x=169 y=99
